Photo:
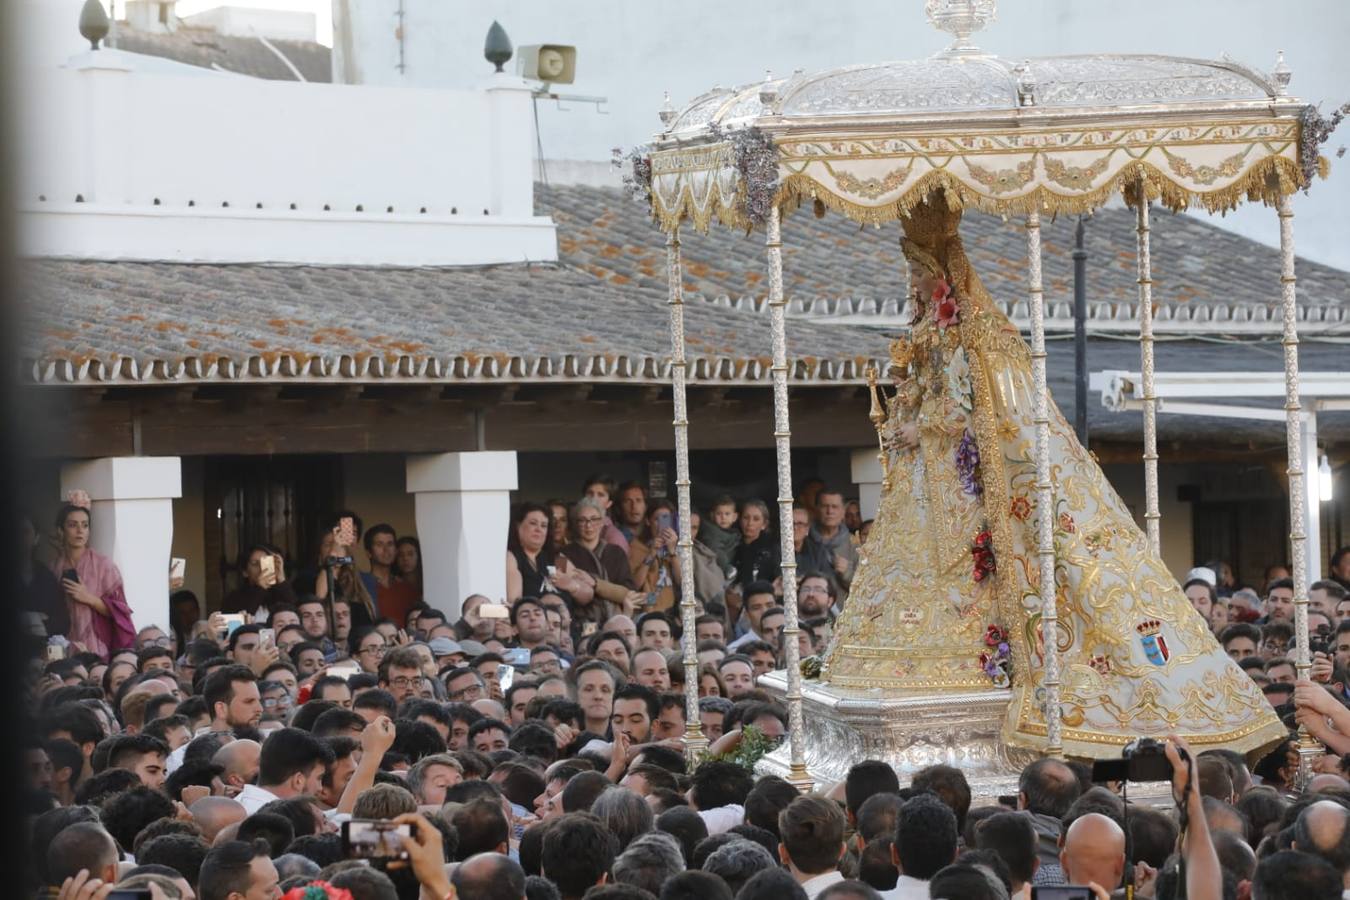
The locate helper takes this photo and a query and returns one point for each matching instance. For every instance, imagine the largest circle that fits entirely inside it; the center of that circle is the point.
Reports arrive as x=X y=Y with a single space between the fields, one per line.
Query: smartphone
x=267 y=636
x=588 y=629
x=268 y=566
x=232 y=621
x=374 y=839
x=517 y=656
x=177 y=567
x=506 y=675
x=71 y=575
x=1060 y=892
x=55 y=652
x=494 y=611
x=346 y=531
x=344 y=670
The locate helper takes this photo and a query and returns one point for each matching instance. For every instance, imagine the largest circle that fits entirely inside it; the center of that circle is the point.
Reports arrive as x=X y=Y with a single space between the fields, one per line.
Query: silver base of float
x=964 y=729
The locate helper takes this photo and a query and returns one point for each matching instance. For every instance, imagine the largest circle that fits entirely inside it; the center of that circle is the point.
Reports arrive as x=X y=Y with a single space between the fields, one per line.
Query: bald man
x=1094 y=852
x=240 y=760
x=1323 y=829
x=213 y=814
x=489 y=874
x=1327 y=782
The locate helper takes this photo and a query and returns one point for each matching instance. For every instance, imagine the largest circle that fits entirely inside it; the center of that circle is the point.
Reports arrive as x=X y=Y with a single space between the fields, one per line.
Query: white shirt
x=723 y=818
x=741 y=641
x=907 y=889
x=175 y=759
x=254 y=798
x=817 y=883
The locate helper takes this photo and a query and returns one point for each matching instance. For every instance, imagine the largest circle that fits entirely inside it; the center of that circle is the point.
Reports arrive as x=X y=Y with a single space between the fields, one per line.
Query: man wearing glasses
x=401 y=673
x=464 y=685
x=816 y=597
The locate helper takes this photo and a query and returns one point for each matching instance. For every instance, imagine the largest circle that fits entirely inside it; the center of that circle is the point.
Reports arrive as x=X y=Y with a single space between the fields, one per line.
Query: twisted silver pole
x=1045 y=521
x=695 y=742
x=1308 y=747
x=782 y=433
x=1145 y=280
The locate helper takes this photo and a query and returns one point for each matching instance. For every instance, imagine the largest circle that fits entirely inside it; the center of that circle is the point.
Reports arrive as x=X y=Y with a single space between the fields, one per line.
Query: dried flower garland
x=756 y=160
x=982 y=555
x=636 y=168
x=1317 y=130
x=997 y=660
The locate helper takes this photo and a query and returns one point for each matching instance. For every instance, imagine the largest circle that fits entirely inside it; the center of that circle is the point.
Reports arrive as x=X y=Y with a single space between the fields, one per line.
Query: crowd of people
x=328 y=733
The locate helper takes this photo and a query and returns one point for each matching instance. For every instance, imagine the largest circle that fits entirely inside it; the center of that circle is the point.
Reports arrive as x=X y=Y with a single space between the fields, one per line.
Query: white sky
x=322 y=9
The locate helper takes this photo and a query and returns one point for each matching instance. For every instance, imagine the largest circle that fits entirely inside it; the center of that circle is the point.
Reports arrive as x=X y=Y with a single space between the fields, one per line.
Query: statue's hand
x=909 y=434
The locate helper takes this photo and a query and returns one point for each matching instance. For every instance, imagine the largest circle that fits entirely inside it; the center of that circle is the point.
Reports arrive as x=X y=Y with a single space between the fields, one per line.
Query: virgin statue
x=946 y=597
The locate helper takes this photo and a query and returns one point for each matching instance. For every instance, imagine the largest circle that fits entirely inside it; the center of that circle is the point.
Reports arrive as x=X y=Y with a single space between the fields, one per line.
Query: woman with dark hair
x=654 y=558
x=351 y=586
x=532 y=567
x=408 y=563
x=528 y=554
x=100 y=620
x=40 y=593
x=1278 y=769
x=264 y=585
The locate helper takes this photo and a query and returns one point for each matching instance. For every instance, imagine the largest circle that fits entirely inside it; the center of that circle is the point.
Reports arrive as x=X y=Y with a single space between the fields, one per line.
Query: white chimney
x=152 y=15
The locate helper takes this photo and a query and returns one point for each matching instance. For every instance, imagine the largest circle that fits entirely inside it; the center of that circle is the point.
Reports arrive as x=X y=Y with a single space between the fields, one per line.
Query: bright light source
x=1324 y=482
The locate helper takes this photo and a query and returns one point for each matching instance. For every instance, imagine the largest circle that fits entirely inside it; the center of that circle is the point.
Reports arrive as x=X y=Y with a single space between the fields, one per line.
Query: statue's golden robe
x=1135 y=658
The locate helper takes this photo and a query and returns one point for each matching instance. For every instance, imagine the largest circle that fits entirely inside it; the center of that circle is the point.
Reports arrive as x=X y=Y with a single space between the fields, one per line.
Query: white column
x=782 y=434
x=1312 y=506
x=1145 y=280
x=513 y=144
x=695 y=742
x=132 y=522
x=1308 y=747
x=867 y=475
x=1045 y=514
x=106 y=88
x=462 y=503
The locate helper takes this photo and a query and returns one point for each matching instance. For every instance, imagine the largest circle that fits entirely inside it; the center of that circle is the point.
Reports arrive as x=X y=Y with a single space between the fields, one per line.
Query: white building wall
x=631 y=52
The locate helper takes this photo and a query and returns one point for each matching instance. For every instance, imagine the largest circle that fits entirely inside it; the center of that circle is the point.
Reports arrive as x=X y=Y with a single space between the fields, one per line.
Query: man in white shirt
x=292 y=763
x=925 y=842
x=811 y=842
x=718 y=794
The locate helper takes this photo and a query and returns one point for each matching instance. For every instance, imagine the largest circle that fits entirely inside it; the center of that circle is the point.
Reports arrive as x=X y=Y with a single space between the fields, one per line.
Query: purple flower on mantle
x=968 y=464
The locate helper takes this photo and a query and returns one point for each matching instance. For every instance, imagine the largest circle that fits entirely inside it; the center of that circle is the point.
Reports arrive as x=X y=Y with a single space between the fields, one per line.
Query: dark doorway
x=277 y=500
x=1249 y=534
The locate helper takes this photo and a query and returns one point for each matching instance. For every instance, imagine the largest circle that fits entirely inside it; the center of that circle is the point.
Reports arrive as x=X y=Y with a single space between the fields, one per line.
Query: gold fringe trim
x=1253 y=741
x=1266 y=181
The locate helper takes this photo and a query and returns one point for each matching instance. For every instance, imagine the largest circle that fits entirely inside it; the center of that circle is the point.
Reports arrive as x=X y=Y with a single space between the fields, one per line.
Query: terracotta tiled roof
x=243 y=55
x=135 y=323
x=1208 y=280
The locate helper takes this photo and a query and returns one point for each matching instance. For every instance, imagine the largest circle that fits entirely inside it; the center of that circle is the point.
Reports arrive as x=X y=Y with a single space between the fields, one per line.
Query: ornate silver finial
x=960 y=18
x=1281 y=75
x=768 y=91
x=1026 y=84
x=667 y=112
